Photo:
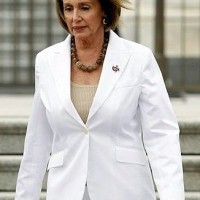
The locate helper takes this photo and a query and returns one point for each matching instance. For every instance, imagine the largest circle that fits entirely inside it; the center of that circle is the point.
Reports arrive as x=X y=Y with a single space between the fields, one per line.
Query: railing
x=181 y=41
x=28 y=26
x=183 y=50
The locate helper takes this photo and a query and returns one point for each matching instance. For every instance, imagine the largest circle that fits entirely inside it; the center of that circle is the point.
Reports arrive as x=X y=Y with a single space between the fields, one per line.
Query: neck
x=98 y=62
x=89 y=42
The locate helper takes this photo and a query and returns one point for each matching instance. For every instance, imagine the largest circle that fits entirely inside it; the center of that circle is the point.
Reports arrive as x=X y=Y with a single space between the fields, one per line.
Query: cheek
x=67 y=19
x=95 y=20
x=68 y=22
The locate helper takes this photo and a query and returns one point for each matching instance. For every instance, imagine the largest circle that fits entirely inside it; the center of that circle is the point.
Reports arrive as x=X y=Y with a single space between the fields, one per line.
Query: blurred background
x=171 y=28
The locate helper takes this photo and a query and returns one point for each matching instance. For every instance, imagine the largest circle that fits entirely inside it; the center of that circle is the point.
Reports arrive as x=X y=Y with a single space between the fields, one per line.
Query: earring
x=105 y=20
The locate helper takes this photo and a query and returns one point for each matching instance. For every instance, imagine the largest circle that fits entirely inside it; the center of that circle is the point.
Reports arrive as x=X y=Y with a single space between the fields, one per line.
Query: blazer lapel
x=117 y=57
x=61 y=71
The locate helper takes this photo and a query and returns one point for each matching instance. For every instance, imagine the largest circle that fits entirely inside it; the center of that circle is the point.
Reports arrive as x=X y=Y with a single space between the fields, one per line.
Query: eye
x=68 y=8
x=85 y=7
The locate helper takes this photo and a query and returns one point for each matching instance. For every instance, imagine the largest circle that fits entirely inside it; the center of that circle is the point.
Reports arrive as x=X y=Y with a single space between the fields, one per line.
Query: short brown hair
x=112 y=9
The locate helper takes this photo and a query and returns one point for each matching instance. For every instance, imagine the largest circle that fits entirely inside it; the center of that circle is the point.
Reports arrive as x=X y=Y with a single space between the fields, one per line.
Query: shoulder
x=139 y=53
x=44 y=57
x=136 y=47
x=128 y=45
x=142 y=55
x=56 y=48
x=51 y=49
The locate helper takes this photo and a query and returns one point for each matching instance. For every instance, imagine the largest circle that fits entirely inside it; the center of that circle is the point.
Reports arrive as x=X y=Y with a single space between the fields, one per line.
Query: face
x=83 y=17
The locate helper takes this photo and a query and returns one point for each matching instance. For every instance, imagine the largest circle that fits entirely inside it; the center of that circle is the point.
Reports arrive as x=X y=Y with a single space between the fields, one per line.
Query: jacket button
x=86 y=130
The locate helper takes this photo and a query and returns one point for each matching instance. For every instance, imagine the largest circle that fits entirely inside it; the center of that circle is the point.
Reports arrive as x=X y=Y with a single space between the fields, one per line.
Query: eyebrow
x=84 y=2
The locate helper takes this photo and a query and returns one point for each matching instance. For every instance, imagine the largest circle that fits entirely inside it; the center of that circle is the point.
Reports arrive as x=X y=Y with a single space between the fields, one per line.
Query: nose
x=76 y=16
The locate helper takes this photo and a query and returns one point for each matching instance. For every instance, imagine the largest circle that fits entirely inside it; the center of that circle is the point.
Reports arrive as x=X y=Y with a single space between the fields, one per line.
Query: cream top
x=82 y=97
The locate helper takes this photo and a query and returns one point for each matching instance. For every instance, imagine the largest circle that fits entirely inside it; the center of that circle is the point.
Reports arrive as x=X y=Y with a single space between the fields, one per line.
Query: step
x=191 y=168
x=9 y=166
x=12 y=133
x=190 y=137
x=10 y=196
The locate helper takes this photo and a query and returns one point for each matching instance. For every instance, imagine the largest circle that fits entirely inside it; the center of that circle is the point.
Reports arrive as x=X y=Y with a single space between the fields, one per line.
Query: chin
x=81 y=35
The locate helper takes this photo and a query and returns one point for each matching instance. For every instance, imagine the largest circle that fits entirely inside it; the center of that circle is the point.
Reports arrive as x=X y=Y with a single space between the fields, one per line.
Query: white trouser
x=86 y=195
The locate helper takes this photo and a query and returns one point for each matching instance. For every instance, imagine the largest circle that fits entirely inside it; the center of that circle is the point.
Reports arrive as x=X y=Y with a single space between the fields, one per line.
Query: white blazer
x=130 y=131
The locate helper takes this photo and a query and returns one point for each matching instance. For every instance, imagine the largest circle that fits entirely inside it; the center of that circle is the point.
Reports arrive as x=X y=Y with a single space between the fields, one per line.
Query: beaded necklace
x=98 y=62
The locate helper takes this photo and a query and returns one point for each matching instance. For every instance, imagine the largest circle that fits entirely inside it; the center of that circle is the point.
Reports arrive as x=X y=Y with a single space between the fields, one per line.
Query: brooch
x=115 y=68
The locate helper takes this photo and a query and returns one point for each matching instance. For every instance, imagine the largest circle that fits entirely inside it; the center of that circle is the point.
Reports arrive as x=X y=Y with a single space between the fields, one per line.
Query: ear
x=103 y=13
x=104 y=16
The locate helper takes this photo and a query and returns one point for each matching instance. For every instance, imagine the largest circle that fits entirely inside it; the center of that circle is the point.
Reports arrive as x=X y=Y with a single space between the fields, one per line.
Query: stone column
x=160 y=37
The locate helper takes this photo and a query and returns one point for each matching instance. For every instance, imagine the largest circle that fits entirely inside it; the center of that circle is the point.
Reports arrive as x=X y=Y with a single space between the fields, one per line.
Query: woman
x=101 y=116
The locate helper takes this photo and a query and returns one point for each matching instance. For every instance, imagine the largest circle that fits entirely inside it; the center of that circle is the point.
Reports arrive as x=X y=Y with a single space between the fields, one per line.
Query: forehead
x=80 y=1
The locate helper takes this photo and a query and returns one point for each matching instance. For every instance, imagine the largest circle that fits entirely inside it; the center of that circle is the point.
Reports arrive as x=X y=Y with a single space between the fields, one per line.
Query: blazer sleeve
x=160 y=132
x=37 y=147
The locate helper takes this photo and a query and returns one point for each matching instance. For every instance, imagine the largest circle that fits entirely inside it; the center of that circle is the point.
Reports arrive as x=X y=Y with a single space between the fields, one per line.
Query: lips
x=78 y=28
